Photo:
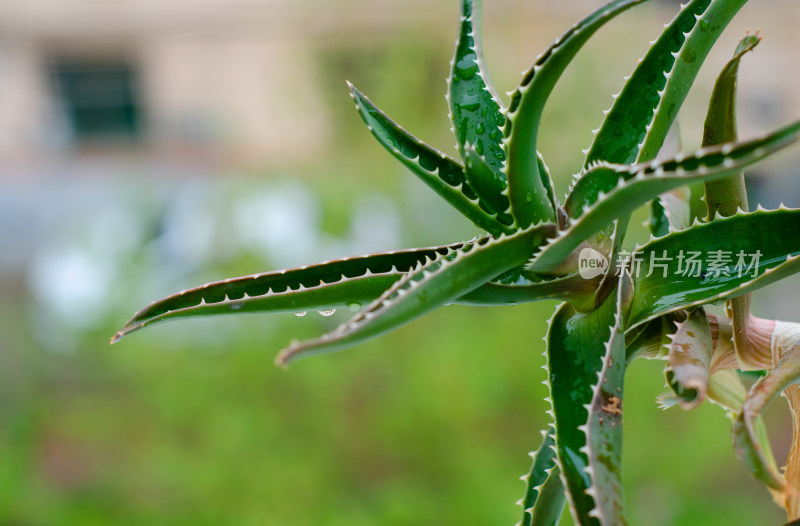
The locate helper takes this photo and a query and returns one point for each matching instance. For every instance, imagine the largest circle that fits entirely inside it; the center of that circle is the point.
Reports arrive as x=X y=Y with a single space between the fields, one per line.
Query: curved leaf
x=544 y=497
x=689 y=359
x=324 y=286
x=430 y=285
x=698 y=42
x=727 y=196
x=475 y=110
x=791 y=501
x=726 y=389
x=572 y=288
x=528 y=194
x=631 y=186
x=635 y=126
x=575 y=350
x=707 y=263
x=604 y=428
x=656 y=89
x=444 y=175
x=488 y=184
x=748 y=445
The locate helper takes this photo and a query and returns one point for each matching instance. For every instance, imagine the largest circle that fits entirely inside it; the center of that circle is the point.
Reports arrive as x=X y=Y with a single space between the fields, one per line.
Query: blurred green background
x=139 y=158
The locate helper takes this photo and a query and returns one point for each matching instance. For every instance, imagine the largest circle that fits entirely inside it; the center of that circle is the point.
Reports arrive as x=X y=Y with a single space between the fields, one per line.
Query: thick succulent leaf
x=604 y=179
x=437 y=282
x=576 y=346
x=689 y=359
x=475 y=109
x=720 y=123
x=727 y=196
x=697 y=43
x=611 y=191
x=604 y=430
x=786 y=350
x=711 y=268
x=324 y=286
x=572 y=288
x=488 y=183
x=544 y=497
x=528 y=194
x=491 y=187
x=636 y=125
x=347 y=282
x=444 y=175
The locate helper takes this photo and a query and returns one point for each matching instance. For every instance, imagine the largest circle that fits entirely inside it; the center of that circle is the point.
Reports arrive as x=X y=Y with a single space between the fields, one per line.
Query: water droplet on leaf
x=470 y=102
x=299 y=314
x=354 y=306
x=327 y=312
x=467 y=67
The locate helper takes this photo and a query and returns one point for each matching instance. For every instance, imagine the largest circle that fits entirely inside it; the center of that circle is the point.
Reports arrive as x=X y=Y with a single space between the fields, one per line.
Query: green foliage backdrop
x=192 y=424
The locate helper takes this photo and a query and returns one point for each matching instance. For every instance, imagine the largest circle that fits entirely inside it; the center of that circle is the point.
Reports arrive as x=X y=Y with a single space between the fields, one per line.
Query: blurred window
x=100 y=99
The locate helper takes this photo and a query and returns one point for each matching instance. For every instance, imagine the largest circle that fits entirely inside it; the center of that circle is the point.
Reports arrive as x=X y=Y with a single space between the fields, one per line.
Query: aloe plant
x=618 y=304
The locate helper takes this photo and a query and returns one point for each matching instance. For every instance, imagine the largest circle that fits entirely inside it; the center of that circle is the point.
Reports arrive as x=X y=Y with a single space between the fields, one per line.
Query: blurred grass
x=190 y=423
x=428 y=425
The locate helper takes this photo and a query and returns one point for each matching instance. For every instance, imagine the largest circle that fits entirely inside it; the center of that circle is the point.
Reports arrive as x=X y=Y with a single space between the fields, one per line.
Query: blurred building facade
x=195 y=78
x=199 y=77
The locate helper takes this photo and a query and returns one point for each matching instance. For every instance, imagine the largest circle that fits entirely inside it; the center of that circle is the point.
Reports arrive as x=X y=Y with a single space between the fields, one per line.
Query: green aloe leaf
x=544 y=497
x=488 y=184
x=444 y=175
x=628 y=187
x=324 y=286
x=727 y=196
x=527 y=191
x=572 y=288
x=706 y=263
x=576 y=348
x=475 y=108
x=347 y=282
x=604 y=428
x=425 y=288
x=698 y=42
x=636 y=125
